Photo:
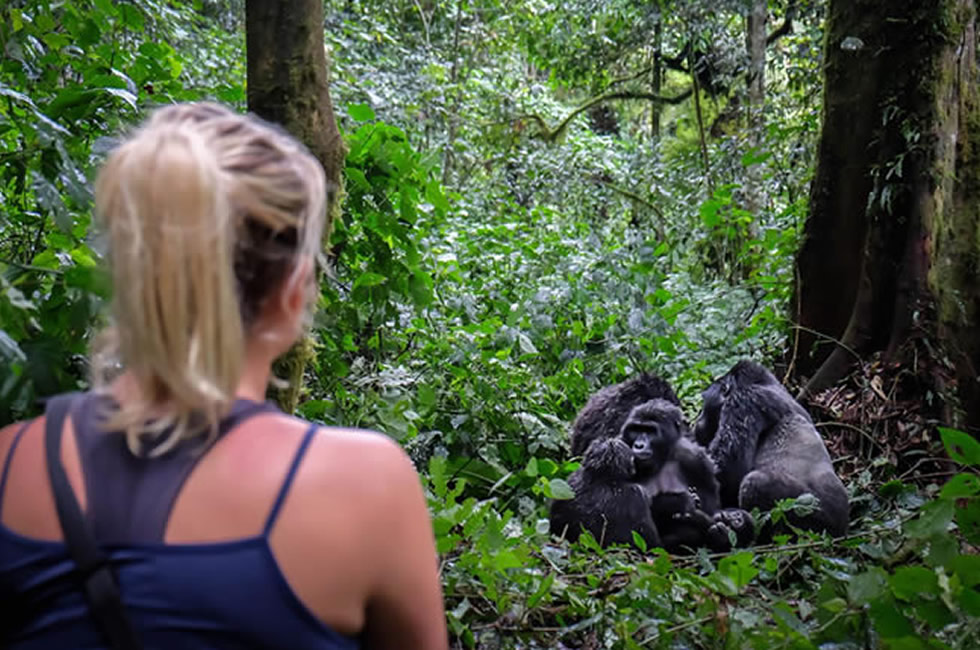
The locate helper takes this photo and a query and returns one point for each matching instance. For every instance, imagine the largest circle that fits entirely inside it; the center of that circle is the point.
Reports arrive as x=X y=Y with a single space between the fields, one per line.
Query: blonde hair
x=207 y=213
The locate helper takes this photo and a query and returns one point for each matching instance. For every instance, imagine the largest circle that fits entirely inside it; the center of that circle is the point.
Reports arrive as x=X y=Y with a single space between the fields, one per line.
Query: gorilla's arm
x=741 y=423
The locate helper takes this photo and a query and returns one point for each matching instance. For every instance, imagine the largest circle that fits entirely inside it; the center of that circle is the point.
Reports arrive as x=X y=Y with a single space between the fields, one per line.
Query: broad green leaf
x=910 y=582
x=356 y=175
x=426 y=395
x=369 y=279
x=360 y=112
x=888 y=621
x=868 y=586
x=961 y=447
x=967 y=567
x=739 y=568
x=531 y=469
x=420 y=286
x=934 y=519
x=560 y=489
x=961 y=485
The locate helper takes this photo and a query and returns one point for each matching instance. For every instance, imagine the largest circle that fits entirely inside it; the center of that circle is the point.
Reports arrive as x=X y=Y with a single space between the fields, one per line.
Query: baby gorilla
x=607 y=503
x=678 y=478
x=766 y=448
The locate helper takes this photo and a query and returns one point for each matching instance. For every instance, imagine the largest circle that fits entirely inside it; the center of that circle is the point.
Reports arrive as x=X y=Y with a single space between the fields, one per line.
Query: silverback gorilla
x=766 y=448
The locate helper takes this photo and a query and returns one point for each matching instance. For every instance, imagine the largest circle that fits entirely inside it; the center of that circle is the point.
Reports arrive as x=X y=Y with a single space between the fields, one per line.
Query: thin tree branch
x=550 y=135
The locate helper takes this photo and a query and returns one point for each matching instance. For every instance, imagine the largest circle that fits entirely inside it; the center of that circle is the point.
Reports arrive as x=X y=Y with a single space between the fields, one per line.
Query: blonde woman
x=219 y=521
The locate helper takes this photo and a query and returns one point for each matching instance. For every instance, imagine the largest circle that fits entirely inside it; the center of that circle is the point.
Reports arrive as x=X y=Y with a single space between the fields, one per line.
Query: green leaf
x=868 y=586
x=961 y=485
x=360 y=180
x=909 y=582
x=542 y=589
x=420 y=286
x=739 y=568
x=434 y=195
x=9 y=350
x=124 y=95
x=888 y=621
x=369 y=279
x=960 y=446
x=105 y=7
x=426 y=396
x=934 y=520
x=561 y=490
x=709 y=213
x=531 y=469
x=49 y=198
x=132 y=17
x=360 y=112
x=968 y=520
x=967 y=567
x=95 y=280
x=639 y=542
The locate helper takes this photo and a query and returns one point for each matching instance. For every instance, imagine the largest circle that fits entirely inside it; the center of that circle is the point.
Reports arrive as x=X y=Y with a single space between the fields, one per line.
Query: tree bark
x=288 y=84
x=755 y=36
x=888 y=248
x=656 y=78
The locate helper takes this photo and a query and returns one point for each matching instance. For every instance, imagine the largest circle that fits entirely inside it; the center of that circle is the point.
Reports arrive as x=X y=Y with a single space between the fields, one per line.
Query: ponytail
x=178 y=201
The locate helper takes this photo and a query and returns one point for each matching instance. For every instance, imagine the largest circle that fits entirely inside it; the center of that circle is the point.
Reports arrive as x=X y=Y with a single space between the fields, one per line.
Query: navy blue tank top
x=212 y=596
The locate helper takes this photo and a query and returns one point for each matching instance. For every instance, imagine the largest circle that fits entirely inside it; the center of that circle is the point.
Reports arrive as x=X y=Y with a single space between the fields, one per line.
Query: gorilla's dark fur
x=607 y=503
x=678 y=478
x=766 y=448
x=606 y=411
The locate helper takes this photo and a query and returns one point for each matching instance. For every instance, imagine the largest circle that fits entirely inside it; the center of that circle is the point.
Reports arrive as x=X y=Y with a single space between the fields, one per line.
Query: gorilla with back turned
x=766 y=448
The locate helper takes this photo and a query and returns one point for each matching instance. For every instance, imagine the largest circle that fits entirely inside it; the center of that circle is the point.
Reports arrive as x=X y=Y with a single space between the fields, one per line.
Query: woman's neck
x=256 y=369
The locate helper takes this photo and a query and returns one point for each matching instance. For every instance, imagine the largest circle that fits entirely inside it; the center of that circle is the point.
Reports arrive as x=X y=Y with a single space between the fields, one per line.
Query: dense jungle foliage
x=499 y=258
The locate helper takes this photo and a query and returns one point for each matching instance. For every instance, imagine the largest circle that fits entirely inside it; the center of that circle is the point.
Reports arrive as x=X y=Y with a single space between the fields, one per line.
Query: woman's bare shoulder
x=355 y=456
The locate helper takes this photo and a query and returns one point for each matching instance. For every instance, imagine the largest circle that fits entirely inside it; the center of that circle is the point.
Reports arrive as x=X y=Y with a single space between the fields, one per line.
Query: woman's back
x=281 y=534
x=232 y=568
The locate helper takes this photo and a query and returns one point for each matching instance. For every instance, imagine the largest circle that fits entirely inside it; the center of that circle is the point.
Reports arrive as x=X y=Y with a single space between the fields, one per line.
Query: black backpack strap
x=93 y=568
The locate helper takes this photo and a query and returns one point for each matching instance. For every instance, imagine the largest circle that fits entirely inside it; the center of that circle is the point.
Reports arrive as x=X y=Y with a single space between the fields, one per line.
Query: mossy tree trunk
x=888 y=261
x=288 y=84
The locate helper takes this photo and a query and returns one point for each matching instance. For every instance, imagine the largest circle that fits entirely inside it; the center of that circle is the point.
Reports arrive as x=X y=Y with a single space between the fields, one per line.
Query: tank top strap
x=9 y=458
x=288 y=481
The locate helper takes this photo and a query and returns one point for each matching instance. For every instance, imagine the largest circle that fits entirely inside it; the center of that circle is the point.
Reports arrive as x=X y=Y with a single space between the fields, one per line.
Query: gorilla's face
x=650 y=431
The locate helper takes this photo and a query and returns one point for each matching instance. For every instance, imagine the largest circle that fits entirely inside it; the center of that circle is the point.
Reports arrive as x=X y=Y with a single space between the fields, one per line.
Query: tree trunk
x=287 y=84
x=656 y=78
x=755 y=41
x=889 y=247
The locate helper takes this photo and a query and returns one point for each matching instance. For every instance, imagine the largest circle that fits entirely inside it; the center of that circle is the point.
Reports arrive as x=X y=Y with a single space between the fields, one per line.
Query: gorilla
x=606 y=411
x=607 y=503
x=678 y=478
x=766 y=448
